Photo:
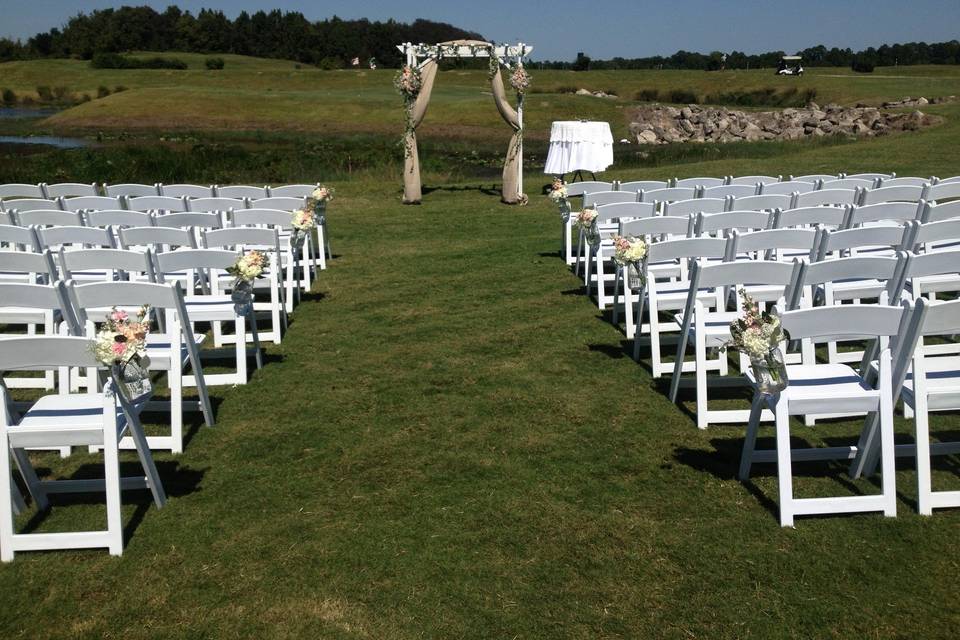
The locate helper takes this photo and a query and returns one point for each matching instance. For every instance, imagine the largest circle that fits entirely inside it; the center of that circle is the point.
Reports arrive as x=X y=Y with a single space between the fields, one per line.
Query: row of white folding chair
x=73 y=189
x=152 y=203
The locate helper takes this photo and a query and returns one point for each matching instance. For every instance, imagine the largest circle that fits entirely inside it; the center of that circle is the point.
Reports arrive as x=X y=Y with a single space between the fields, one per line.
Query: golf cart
x=790 y=66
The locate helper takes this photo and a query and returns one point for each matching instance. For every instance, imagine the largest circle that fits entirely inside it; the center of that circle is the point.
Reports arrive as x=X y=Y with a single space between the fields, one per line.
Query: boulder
x=646 y=137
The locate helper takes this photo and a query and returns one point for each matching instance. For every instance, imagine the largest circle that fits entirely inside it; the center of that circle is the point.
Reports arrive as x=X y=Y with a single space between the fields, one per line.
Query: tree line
x=909 y=53
x=268 y=34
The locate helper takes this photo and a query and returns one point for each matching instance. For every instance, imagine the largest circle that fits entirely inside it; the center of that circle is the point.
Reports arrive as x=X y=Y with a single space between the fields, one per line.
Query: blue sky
x=559 y=29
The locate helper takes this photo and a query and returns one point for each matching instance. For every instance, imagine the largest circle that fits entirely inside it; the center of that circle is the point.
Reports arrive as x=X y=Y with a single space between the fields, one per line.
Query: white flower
x=303 y=219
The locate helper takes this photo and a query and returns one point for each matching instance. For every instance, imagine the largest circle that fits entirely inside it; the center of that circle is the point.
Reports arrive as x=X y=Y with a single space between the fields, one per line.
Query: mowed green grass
x=452 y=442
x=253 y=93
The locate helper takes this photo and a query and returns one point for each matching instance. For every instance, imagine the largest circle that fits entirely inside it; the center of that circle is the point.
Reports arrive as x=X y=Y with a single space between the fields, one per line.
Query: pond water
x=53 y=141
x=26 y=112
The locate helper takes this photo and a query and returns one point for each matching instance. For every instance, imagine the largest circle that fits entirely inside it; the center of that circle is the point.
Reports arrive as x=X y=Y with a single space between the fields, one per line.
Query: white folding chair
x=730 y=190
x=934 y=212
x=39 y=316
x=896 y=193
x=117 y=218
x=704 y=182
x=721 y=224
x=943 y=190
x=91 y=203
x=906 y=181
x=774 y=244
x=47 y=218
x=884 y=213
x=786 y=188
x=826 y=197
x=814 y=178
x=186 y=191
x=769 y=202
x=155 y=203
x=872 y=241
x=68 y=189
x=20 y=190
x=827 y=217
x=212 y=204
x=171 y=349
x=31 y=204
x=815 y=387
x=608 y=221
x=706 y=323
x=636 y=185
x=67 y=420
x=695 y=206
x=131 y=190
x=296 y=271
x=753 y=180
x=16 y=238
x=241 y=192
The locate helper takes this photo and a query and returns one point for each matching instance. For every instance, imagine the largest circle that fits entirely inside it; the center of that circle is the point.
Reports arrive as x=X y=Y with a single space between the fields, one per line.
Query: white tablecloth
x=587 y=146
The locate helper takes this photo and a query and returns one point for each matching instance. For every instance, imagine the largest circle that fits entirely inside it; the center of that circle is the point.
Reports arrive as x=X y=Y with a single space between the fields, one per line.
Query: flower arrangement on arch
x=758 y=335
x=408 y=82
x=520 y=79
x=121 y=344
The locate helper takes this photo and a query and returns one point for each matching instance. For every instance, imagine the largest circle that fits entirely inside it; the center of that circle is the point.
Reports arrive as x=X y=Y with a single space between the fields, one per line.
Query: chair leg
x=784 y=464
x=240 y=349
x=888 y=454
x=6 y=499
x=678 y=363
x=258 y=354
x=924 y=483
x=750 y=439
x=37 y=492
x=111 y=466
x=655 y=363
x=703 y=415
x=146 y=461
x=176 y=411
x=864 y=463
x=616 y=297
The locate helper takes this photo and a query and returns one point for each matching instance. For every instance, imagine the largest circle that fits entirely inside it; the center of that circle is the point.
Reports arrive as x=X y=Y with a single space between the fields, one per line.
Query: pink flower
x=119 y=315
x=119 y=348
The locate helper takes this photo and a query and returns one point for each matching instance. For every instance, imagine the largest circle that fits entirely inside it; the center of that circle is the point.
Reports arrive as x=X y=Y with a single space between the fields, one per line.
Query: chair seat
x=673 y=295
x=943 y=383
x=208 y=308
x=64 y=419
x=158 y=349
x=857 y=288
x=821 y=388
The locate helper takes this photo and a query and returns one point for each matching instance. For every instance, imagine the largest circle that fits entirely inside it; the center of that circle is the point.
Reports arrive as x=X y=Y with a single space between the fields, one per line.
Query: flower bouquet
x=586 y=221
x=121 y=344
x=520 y=80
x=317 y=202
x=246 y=270
x=629 y=254
x=759 y=335
x=302 y=221
x=558 y=194
x=408 y=82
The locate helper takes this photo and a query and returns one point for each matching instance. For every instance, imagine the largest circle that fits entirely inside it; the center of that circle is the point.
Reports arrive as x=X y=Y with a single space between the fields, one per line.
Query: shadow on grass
x=487 y=191
x=178 y=481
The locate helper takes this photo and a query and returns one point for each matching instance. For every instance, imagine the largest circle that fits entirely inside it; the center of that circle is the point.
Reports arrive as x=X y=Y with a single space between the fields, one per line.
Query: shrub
x=767 y=97
x=648 y=95
x=9 y=97
x=214 y=63
x=102 y=91
x=108 y=61
x=44 y=93
x=684 y=96
x=328 y=64
x=862 y=66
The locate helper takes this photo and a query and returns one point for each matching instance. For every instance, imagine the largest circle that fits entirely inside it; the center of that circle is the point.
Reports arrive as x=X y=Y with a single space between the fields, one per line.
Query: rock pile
x=664 y=124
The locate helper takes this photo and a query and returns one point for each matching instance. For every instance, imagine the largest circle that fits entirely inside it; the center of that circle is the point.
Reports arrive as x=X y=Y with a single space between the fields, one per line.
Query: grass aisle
x=452 y=443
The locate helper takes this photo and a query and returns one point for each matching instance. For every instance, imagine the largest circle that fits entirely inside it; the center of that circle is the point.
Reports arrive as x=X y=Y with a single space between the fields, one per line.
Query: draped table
x=579 y=146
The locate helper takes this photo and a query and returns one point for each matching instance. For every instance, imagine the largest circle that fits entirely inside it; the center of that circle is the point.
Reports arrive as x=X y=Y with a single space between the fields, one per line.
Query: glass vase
x=135 y=376
x=770 y=372
x=592 y=235
x=297 y=238
x=635 y=279
x=242 y=296
x=564 y=205
x=320 y=211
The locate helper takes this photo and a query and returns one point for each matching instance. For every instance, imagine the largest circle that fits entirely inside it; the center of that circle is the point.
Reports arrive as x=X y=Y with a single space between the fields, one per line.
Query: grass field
x=453 y=443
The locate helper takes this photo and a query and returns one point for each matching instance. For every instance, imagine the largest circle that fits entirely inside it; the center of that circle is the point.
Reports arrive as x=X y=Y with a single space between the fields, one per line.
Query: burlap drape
x=412 y=193
x=411 y=161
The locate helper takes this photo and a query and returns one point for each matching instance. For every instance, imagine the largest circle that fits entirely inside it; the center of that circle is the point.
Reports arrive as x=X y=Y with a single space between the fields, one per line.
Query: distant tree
x=582 y=63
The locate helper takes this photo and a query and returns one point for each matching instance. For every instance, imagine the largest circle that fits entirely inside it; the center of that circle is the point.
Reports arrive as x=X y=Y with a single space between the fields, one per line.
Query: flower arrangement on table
x=629 y=253
x=302 y=221
x=245 y=271
x=121 y=344
x=586 y=221
x=758 y=335
x=558 y=195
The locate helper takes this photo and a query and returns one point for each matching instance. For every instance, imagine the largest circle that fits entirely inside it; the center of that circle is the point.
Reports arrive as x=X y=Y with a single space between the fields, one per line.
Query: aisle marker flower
x=246 y=270
x=121 y=344
x=586 y=221
x=758 y=335
x=629 y=254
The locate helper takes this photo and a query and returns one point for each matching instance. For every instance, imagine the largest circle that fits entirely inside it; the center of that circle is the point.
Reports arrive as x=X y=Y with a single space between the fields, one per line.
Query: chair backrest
x=899 y=212
x=698 y=182
x=118 y=218
x=246 y=237
x=729 y=220
x=933 y=212
x=186 y=259
x=282 y=203
x=848 y=241
x=156 y=203
x=753 y=180
x=668 y=195
x=85 y=203
x=186 y=190
x=241 y=191
x=621 y=210
x=906 y=181
x=940 y=191
x=695 y=205
x=774 y=240
x=945 y=180
x=190 y=219
x=156 y=237
x=902 y=193
x=597 y=198
x=31 y=204
x=805 y=216
x=676 y=226
x=826 y=197
x=637 y=185
x=573 y=189
x=687 y=248
x=133 y=263
x=48 y=218
x=769 y=202
x=19 y=190
x=294 y=190
x=131 y=190
x=27 y=263
x=46 y=352
x=888 y=269
x=38 y=296
x=215 y=204
x=936 y=263
x=261 y=217
x=846 y=322
x=942 y=231
x=847 y=183
x=23 y=238
x=734 y=190
x=869 y=176
x=69 y=189
x=51 y=237
x=786 y=188
x=942 y=319
x=704 y=275
x=814 y=178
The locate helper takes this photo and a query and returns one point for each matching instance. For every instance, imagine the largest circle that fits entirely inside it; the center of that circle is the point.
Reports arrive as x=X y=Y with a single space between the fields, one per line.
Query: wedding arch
x=415 y=83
